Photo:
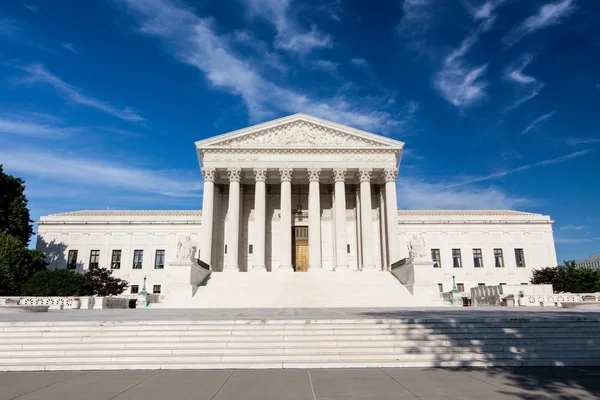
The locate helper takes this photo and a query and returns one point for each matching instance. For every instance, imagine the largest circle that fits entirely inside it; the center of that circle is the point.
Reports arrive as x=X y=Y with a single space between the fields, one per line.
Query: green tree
x=17 y=264
x=104 y=284
x=58 y=282
x=14 y=215
x=568 y=278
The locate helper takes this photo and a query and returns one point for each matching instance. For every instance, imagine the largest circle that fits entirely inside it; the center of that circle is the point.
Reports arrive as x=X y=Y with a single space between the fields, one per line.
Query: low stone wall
x=59 y=303
x=556 y=300
x=527 y=296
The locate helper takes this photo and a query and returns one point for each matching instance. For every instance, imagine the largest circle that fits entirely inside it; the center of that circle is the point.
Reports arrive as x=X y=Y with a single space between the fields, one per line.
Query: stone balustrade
x=59 y=303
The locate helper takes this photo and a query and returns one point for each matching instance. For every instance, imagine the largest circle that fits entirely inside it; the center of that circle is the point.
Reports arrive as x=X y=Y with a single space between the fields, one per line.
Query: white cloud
x=576 y=240
x=486 y=10
x=417 y=16
x=31 y=7
x=15 y=30
x=574 y=141
x=571 y=227
x=522 y=168
x=193 y=40
x=70 y=47
x=39 y=74
x=537 y=121
x=83 y=172
x=290 y=36
x=548 y=15
x=25 y=127
x=420 y=194
x=327 y=65
x=526 y=87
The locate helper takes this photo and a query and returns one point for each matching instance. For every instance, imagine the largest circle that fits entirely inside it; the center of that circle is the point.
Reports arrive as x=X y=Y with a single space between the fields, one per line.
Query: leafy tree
x=14 y=215
x=104 y=284
x=17 y=264
x=568 y=278
x=58 y=282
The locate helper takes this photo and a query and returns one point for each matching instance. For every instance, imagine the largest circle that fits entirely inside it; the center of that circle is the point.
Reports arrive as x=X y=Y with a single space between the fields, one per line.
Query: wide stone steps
x=296 y=344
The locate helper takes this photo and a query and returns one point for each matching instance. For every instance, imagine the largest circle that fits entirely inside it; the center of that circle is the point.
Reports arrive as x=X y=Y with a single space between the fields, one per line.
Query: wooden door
x=300 y=256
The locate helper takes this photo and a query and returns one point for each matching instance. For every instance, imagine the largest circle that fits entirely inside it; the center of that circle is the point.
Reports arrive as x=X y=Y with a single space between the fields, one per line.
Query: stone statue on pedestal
x=416 y=247
x=187 y=249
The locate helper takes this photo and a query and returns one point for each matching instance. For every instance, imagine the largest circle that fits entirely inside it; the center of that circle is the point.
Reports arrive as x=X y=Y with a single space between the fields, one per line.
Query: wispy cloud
x=577 y=240
x=571 y=227
x=73 y=170
x=70 y=47
x=25 y=127
x=526 y=86
x=328 y=66
x=459 y=83
x=548 y=15
x=485 y=10
x=31 y=7
x=421 y=194
x=290 y=36
x=577 y=141
x=39 y=74
x=15 y=30
x=537 y=121
x=193 y=40
x=417 y=16
x=522 y=168
x=332 y=8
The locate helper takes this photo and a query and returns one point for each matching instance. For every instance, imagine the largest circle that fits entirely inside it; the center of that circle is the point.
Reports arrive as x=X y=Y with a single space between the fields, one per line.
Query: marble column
x=366 y=219
x=341 y=241
x=391 y=213
x=233 y=220
x=285 y=223
x=314 y=220
x=260 y=210
x=208 y=209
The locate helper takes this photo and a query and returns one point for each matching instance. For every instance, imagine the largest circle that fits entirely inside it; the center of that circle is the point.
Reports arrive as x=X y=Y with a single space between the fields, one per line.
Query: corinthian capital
x=390 y=174
x=314 y=174
x=364 y=174
x=260 y=174
x=339 y=174
x=208 y=174
x=285 y=174
x=234 y=174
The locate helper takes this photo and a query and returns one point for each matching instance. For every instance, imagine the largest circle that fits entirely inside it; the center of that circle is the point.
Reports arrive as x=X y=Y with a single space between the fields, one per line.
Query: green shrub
x=58 y=282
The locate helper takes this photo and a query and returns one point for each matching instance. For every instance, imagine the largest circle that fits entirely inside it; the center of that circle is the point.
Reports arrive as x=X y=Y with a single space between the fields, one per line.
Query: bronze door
x=300 y=254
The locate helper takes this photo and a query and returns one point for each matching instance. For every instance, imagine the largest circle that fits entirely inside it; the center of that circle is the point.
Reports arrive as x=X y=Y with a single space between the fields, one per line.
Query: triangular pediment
x=301 y=131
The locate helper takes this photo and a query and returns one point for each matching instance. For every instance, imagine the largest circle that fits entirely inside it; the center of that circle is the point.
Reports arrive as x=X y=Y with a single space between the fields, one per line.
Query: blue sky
x=496 y=100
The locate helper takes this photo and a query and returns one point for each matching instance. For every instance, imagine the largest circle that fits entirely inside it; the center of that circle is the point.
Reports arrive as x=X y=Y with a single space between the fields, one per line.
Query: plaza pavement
x=312 y=384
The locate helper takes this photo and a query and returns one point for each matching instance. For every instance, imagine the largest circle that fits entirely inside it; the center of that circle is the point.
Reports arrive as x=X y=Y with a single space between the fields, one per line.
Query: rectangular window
x=502 y=284
x=456 y=258
x=156 y=289
x=135 y=289
x=477 y=258
x=250 y=249
x=441 y=287
x=460 y=287
x=520 y=258
x=481 y=284
x=437 y=258
x=498 y=258
x=115 y=262
x=94 y=258
x=72 y=260
x=138 y=256
x=348 y=248
x=159 y=259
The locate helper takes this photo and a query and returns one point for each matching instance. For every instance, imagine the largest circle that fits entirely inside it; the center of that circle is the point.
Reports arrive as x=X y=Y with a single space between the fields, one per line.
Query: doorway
x=300 y=248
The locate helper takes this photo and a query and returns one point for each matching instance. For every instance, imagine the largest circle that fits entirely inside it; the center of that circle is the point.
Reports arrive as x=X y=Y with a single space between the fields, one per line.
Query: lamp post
x=143 y=296
x=454 y=288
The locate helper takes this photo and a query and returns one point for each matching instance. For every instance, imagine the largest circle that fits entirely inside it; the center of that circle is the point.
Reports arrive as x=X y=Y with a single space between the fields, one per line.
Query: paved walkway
x=325 y=384
x=458 y=313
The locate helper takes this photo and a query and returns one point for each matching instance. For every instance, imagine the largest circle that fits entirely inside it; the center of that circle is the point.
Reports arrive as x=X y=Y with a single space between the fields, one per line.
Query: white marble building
x=301 y=194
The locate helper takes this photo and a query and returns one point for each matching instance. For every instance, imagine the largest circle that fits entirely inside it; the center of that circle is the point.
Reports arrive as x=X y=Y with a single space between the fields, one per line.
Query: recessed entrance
x=300 y=248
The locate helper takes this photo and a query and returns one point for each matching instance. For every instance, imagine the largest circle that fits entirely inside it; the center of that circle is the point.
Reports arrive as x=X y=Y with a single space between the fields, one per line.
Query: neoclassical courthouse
x=301 y=211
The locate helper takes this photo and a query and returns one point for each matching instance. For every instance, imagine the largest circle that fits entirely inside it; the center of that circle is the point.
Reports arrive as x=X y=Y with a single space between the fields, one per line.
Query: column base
x=370 y=267
x=259 y=268
x=312 y=268
x=231 y=268
x=342 y=268
x=286 y=268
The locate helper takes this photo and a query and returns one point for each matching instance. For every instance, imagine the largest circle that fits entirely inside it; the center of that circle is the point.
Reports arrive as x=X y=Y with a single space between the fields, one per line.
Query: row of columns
x=314 y=218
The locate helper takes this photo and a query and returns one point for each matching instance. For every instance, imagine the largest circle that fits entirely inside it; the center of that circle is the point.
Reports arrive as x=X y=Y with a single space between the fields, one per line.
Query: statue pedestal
x=415 y=274
x=184 y=277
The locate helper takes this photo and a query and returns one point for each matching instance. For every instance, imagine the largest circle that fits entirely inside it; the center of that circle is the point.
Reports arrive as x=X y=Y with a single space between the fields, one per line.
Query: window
x=135 y=289
x=498 y=258
x=72 y=260
x=115 y=262
x=156 y=289
x=441 y=287
x=250 y=249
x=138 y=255
x=481 y=284
x=159 y=259
x=477 y=258
x=520 y=258
x=348 y=248
x=437 y=259
x=460 y=287
x=225 y=249
x=525 y=283
x=456 y=258
x=94 y=258
x=502 y=284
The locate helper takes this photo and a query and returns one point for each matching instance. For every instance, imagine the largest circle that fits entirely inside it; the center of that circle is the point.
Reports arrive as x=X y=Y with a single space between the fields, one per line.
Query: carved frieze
x=300 y=133
x=256 y=155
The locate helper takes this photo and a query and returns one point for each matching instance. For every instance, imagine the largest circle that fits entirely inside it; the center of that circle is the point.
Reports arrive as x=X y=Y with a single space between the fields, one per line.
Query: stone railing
x=59 y=303
x=556 y=300
x=498 y=295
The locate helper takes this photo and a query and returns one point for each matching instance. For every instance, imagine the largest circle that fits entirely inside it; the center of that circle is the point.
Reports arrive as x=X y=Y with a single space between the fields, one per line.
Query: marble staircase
x=307 y=290
x=237 y=344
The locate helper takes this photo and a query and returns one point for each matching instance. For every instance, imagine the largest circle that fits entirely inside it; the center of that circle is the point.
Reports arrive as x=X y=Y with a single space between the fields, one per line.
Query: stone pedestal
x=415 y=274
x=184 y=277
